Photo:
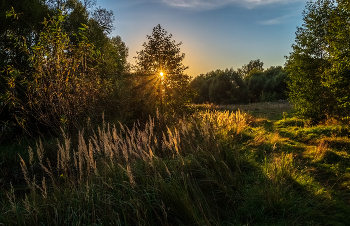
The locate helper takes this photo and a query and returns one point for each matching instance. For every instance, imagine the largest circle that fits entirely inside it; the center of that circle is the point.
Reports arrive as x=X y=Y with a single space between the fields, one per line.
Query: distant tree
x=159 y=65
x=204 y=91
x=275 y=87
x=256 y=80
x=220 y=87
x=253 y=64
x=228 y=86
x=197 y=85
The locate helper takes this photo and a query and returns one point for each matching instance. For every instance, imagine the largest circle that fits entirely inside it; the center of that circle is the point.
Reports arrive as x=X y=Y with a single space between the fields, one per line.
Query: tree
x=275 y=86
x=16 y=29
x=160 y=66
x=74 y=40
x=255 y=84
x=318 y=68
x=257 y=64
x=220 y=87
x=337 y=77
x=227 y=87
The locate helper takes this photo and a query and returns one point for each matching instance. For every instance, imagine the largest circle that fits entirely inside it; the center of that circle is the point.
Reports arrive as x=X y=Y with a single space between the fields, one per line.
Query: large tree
x=159 y=64
x=318 y=68
x=52 y=72
x=337 y=77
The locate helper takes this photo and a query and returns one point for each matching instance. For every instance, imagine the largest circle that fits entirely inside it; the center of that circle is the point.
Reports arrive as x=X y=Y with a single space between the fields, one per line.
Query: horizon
x=214 y=34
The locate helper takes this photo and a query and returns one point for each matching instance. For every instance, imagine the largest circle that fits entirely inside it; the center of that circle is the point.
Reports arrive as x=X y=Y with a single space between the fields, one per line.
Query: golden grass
x=209 y=166
x=321 y=149
x=111 y=147
x=267 y=110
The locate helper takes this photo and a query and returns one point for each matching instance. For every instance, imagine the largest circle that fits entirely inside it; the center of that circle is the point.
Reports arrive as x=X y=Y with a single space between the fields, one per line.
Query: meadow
x=222 y=165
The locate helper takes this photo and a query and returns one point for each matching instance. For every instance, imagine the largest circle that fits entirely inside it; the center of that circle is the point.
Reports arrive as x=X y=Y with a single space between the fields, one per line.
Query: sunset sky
x=216 y=34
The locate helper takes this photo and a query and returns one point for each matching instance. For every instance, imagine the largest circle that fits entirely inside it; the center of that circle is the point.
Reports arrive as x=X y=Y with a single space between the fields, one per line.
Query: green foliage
x=169 y=92
x=228 y=86
x=99 y=20
x=201 y=85
x=19 y=26
x=65 y=81
x=253 y=64
x=337 y=77
x=220 y=87
x=255 y=84
x=115 y=54
x=318 y=66
x=59 y=67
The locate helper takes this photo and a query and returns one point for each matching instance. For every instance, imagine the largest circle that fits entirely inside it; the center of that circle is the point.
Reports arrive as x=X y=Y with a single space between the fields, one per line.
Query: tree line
x=248 y=84
x=60 y=69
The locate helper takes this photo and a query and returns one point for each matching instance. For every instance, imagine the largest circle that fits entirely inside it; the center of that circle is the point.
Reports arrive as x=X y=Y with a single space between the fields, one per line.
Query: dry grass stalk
x=26 y=203
x=321 y=149
x=43 y=190
x=63 y=155
x=122 y=147
x=258 y=140
x=12 y=198
x=281 y=168
x=131 y=178
x=25 y=171
x=275 y=138
x=31 y=155
x=40 y=151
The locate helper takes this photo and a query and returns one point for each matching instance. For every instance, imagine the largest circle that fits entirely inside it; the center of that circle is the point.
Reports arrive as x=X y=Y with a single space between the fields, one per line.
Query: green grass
x=213 y=168
x=269 y=110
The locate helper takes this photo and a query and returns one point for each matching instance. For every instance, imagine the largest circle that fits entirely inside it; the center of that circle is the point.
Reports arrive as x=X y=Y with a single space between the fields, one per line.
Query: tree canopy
x=229 y=87
x=318 y=67
x=160 y=65
x=56 y=62
x=253 y=64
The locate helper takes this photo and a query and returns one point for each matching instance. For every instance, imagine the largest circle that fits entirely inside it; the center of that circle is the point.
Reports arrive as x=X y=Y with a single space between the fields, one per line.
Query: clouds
x=211 y=4
x=286 y=10
x=286 y=16
x=277 y=20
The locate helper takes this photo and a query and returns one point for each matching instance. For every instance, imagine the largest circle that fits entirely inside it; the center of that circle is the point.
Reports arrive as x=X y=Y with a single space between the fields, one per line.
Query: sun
x=161 y=74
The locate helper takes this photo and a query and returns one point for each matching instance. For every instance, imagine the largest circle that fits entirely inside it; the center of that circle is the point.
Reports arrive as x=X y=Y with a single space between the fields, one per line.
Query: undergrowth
x=213 y=168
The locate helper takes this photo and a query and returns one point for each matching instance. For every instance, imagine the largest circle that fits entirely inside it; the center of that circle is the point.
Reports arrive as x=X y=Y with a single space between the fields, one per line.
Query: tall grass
x=203 y=170
x=119 y=169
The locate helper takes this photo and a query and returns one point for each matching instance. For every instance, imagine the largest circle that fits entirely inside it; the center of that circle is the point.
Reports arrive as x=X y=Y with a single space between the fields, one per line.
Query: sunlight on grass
x=208 y=168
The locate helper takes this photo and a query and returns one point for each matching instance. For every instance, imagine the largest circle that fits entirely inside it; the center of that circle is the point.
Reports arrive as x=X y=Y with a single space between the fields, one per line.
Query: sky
x=215 y=34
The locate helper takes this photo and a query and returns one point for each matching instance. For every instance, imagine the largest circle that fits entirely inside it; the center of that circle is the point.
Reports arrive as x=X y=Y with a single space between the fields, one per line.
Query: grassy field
x=258 y=166
x=268 y=110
